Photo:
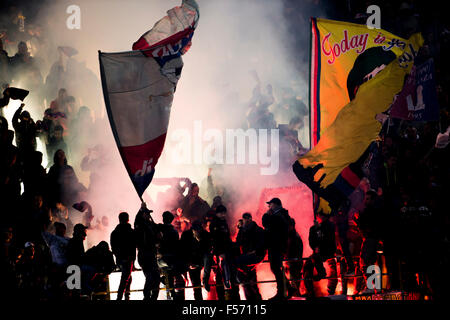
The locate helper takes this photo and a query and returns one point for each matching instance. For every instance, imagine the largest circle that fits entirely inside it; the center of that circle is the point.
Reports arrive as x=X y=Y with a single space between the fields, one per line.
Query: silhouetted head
x=79 y=231
x=194 y=190
x=60 y=229
x=36 y=157
x=221 y=211
x=60 y=158
x=29 y=250
x=25 y=116
x=370 y=198
x=103 y=246
x=274 y=204
x=62 y=94
x=246 y=218
x=167 y=217
x=38 y=201
x=22 y=47
x=124 y=217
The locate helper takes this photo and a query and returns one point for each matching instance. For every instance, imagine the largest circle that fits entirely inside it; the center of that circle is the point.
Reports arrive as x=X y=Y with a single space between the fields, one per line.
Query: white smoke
x=233 y=38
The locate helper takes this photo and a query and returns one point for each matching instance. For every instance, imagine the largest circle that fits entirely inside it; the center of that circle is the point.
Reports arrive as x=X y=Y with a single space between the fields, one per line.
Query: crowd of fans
x=397 y=218
x=40 y=205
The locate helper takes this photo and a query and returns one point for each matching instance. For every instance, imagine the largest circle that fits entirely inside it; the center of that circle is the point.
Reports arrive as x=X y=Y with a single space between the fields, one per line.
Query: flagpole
x=310 y=103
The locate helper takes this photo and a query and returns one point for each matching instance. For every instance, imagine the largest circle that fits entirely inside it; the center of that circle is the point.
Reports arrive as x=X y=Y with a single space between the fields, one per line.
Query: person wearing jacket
x=4 y=66
x=195 y=250
x=369 y=222
x=251 y=242
x=64 y=186
x=322 y=241
x=75 y=247
x=97 y=264
x=26 y=132
x=276 y=226
x=168 y=255
x=295 y=256
x=221 y=245
x=193 y=206
x=123 y=245
x=147 y=237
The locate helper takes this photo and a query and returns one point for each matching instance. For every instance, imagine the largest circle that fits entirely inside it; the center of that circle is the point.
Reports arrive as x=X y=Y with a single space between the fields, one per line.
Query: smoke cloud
x=234 y=38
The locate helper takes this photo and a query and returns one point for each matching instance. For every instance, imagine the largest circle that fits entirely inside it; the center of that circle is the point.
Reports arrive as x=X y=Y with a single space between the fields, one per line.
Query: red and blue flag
x=139 y=86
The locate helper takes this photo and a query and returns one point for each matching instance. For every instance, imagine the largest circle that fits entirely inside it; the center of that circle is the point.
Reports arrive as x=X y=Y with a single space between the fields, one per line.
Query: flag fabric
x=68 y=51
x=16 y=93
x=171 y=36
x=336 y=73
x=13 y=93
x=355 y=75
x=139 y=87
x=418 y=99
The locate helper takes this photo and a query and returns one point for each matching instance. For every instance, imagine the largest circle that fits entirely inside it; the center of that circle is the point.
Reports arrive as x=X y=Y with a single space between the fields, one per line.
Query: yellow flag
x=370 y=87
x=335 y=48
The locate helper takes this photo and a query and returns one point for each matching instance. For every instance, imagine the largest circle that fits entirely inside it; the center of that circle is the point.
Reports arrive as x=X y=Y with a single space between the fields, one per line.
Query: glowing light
x=138 y=284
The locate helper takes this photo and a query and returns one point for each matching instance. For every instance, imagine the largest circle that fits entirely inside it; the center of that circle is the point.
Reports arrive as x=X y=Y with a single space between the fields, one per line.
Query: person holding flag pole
x=138 y=88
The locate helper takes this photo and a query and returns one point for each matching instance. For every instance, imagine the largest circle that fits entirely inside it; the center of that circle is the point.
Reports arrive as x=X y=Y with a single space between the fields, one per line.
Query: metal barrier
x=341 y=277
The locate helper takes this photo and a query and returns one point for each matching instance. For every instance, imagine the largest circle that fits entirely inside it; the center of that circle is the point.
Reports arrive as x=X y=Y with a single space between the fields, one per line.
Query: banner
x=343 y=56
x=355 y=75
x=12 y=93
x=139 y=87
x=418 y=99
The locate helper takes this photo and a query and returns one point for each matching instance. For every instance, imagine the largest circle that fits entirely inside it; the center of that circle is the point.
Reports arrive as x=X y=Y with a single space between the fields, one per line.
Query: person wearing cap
x=195 y=249
x=276 y=208
x=276 y=224
x=147 y=236
x=75 y=247
x=123 y=245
